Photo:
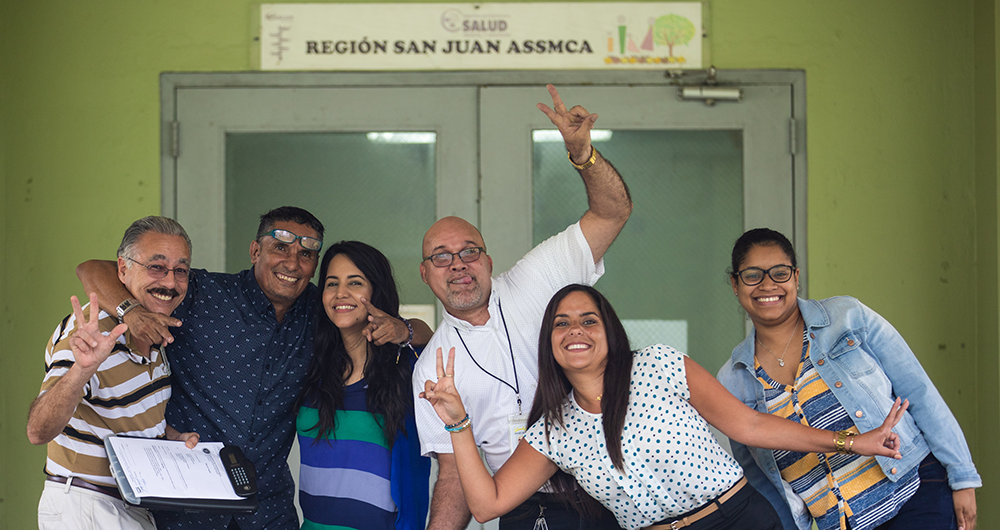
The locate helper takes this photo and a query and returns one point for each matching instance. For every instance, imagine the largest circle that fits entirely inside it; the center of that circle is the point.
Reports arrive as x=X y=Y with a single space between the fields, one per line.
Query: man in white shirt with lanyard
x=493 y=324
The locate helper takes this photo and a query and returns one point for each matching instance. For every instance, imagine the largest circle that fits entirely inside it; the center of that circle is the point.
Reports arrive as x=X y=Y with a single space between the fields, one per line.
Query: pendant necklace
x=781 y=360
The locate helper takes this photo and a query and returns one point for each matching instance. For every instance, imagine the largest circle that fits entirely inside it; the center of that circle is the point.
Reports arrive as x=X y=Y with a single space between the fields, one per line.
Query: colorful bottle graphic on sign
x=661 y=38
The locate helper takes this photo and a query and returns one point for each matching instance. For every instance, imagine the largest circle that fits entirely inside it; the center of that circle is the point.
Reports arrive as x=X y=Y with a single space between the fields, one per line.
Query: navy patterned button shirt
x=237 y=372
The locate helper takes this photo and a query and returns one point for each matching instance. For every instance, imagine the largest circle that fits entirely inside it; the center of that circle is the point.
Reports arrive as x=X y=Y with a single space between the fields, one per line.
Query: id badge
x=517 y=424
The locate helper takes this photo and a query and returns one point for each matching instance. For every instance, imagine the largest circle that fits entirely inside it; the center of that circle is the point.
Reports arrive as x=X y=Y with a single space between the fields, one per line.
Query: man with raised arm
x=493 y=324
x=101 y=379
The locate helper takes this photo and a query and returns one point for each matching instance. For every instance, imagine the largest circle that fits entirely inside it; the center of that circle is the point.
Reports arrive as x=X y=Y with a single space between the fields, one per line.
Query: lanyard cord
x=517 y=386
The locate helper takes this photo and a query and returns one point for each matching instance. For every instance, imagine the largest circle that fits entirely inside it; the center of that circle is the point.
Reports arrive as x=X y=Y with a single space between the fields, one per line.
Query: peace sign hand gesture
x=882 y=441
x=442 y=393
x=90 y=346
x=52 y=410
x=574 y=125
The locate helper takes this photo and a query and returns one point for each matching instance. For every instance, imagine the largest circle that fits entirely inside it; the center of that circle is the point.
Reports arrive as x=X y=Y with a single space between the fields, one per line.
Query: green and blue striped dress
x=344 y=481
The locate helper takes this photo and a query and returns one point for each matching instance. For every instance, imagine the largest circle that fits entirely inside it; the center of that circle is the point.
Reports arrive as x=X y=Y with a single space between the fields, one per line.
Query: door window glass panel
x=665 y=272
x=376 y=187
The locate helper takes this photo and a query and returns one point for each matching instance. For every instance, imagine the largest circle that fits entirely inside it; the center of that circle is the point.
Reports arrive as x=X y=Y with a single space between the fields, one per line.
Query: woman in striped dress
x=836 y=364
x=361 y=464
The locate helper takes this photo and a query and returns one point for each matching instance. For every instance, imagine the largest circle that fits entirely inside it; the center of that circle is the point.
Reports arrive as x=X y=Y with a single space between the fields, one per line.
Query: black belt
x=80 y=483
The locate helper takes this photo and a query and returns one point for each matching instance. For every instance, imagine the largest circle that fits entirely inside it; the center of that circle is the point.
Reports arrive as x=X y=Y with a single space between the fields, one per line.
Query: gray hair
x=152 y=223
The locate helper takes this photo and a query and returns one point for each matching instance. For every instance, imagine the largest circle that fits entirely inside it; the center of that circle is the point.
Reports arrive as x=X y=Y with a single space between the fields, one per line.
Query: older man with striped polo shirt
x=102 y=380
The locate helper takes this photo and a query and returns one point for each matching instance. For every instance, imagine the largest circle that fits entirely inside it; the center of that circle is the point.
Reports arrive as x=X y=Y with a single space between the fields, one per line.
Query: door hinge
x=175 y=138
x=793 y=136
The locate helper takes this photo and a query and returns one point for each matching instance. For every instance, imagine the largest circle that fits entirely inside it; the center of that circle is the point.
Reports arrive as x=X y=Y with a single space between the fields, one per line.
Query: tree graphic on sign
x=673 y=30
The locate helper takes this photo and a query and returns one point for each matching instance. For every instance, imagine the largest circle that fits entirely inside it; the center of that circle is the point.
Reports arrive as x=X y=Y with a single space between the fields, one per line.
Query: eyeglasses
x=467 y=255
x=308 y=243
x=159 y=272
x=753 y=275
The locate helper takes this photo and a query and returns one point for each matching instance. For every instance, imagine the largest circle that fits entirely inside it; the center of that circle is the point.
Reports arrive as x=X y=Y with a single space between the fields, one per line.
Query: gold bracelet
x=850 y=446
x=588 y=163
x=839 y=442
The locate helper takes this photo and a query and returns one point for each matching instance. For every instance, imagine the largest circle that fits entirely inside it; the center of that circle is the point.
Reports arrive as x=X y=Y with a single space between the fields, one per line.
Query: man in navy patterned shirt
x=241 y=346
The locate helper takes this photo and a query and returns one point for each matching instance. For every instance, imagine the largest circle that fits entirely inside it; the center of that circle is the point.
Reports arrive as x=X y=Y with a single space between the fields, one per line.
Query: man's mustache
x=165 y=292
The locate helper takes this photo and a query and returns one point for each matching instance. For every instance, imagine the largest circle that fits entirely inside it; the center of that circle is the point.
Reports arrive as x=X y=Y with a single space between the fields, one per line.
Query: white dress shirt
x=517 y=301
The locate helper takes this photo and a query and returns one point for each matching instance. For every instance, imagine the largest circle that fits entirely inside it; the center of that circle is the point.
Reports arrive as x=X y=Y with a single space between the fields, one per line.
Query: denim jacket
x=866 y=364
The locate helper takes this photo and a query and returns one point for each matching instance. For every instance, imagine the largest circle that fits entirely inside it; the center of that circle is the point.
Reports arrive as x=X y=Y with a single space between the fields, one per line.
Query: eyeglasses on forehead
x=285 y=236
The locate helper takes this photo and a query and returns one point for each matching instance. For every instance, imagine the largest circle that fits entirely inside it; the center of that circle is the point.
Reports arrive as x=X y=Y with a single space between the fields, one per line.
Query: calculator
x=241 y=471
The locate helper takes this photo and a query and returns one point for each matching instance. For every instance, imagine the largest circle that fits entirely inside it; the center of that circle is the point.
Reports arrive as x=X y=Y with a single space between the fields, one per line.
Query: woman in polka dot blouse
x=632 y=429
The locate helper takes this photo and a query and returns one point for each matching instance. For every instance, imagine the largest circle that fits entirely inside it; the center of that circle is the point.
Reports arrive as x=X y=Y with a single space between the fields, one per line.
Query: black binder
x=242 y=477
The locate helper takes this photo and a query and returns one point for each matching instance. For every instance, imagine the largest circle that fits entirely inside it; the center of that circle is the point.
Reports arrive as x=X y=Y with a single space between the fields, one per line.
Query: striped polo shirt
x=344 y=478
x=836 y=488
x=127 y=395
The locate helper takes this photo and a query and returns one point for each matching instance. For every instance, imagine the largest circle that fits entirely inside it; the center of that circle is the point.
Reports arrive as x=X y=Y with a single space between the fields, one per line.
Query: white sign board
x=517 y=36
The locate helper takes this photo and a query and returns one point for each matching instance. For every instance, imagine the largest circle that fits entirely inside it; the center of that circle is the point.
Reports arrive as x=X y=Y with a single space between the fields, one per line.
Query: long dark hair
x=553 y=386
x=389 y=395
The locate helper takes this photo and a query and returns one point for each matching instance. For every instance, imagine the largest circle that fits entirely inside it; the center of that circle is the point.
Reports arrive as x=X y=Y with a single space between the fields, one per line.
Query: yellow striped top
x=837 y=489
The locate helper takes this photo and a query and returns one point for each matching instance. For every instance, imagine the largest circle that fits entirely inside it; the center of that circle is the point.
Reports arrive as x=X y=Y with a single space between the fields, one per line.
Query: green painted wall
x=902 y=141
x=6 y=423
x=987 y=380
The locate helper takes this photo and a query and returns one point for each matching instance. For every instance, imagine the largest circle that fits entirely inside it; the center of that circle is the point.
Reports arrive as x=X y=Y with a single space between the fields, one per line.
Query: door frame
x=171 y=82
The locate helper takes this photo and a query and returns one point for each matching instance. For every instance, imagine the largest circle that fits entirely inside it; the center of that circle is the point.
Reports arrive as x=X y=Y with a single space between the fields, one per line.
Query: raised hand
x=90 y=346
x=383 y=327
x=51 y=411
x=574 y=125
x=882 y=441
x=442 y=393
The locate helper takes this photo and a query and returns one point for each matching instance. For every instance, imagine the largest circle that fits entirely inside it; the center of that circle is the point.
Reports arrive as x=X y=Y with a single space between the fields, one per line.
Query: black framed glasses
x=308 y=243
x=467 y=255
x=159 y=272
x=779 y=274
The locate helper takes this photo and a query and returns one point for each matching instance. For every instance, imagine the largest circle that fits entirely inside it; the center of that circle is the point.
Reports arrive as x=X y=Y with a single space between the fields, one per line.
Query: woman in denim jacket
x=845 y=373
